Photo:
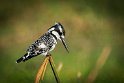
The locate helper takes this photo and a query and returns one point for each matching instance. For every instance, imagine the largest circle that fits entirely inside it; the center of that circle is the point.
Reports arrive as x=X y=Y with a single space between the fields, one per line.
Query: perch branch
x=54 y=69
x=42 y=69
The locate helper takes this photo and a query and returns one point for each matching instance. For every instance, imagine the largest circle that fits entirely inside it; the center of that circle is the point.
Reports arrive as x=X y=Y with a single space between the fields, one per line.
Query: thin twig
x=99 y=64
x=42 y=76
x=54 y=69
x=42 y=69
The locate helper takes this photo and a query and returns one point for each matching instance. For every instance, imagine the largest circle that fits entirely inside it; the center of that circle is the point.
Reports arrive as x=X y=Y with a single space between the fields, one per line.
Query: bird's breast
x=42 y=45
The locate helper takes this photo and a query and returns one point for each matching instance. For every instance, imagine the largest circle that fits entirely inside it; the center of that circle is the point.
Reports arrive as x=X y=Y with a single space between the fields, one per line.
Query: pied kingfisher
x=45 y=43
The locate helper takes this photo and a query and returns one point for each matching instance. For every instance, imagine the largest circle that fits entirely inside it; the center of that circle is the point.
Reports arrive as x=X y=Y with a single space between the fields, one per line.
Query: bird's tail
x=23 y=58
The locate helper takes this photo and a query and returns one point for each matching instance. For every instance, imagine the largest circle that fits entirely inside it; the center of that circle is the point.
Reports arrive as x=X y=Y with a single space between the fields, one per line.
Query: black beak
x=63 y=41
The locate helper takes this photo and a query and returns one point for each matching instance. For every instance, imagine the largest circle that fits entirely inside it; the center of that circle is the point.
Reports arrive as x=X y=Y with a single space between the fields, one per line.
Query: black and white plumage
x=45 y=43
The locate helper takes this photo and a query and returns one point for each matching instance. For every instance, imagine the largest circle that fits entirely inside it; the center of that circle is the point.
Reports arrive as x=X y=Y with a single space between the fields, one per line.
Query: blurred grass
x=89 y=25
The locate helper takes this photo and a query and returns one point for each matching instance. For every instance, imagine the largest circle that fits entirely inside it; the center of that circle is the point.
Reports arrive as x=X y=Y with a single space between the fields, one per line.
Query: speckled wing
x=43 y=45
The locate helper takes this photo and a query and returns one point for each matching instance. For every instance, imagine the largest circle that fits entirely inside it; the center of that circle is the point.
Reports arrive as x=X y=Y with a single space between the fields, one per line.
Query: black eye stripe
x=60 y=33
x=56 y=28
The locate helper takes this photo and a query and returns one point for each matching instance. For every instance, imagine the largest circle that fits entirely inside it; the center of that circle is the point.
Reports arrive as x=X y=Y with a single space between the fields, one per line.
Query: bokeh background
x=94 y=34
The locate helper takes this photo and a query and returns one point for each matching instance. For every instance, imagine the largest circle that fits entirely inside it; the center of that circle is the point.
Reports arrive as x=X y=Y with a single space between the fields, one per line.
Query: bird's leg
x=48 y=54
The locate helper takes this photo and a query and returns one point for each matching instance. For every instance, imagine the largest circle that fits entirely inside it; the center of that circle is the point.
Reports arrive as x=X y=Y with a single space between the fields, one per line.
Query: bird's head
x=59 y=32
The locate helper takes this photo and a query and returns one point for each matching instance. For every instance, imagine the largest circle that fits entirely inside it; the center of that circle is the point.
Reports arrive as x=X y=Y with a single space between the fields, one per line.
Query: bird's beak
x=65 y=45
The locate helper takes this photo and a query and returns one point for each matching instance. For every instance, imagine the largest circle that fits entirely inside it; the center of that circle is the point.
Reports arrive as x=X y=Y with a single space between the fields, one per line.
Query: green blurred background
x=94 y=34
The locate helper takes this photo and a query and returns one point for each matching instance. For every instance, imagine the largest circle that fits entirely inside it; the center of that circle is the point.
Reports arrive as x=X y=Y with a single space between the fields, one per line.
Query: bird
x=46 y=43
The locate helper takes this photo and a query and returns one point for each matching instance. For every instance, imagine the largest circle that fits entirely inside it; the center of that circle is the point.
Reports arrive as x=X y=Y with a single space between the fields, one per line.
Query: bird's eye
x=60 y=33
